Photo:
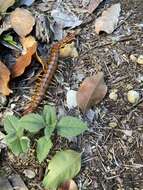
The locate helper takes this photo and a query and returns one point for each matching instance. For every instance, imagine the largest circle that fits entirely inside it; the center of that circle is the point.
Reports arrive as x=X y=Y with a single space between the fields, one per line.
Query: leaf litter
x=108 y=20
x=30 y=46
x=4 y=79
x=22 y=21
x=116 y=148
x=92 y=91
x=5 y=4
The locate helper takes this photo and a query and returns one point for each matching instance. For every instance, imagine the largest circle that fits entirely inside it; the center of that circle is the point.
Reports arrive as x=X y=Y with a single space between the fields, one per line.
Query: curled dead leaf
x=92 y=90
x=30 y=45
x=22 y=21
x=4 y=80
x=69 y=185
x=108 y=20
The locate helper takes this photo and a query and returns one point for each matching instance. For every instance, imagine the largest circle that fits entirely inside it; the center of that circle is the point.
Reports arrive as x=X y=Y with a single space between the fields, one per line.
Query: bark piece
x=4 y=184
x=17 y=182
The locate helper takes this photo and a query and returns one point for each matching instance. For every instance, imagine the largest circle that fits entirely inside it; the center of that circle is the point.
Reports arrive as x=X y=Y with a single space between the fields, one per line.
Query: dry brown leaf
x=4 y=79
x=108 y=20
x=92 y=90
x=5 y=4
x=22 y=21
x=69 y=185
x=30 y=45
x=93 y=5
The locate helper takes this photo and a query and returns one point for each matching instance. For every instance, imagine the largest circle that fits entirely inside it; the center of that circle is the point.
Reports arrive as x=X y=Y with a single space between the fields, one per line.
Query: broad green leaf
x=48 y=131
x=43 y=147
x=70 y=126
x=11 y=137
x=32 y=122
x=12 y=125
x=64 y=166
x=49 y=114
x=15 y=146
x=25 y=144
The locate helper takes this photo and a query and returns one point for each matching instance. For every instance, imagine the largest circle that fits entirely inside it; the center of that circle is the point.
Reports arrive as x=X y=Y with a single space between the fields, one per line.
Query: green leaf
x=32 y=122
x=70 y=126
x=11 y=124
x=11 y=137
x=43 y=147
x=8 y=38
x=49 y=114
x=64 y=166
x=16 y=144
x=25 y=144
x=48 y=131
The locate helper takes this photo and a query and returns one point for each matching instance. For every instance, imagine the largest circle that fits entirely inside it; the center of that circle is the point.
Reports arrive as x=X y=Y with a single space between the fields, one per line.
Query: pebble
x=29 y=173
x=71 y=99
x=140 y=60
x=133 y=96
x=113 y=124
x=113 y=95
x=133 y=58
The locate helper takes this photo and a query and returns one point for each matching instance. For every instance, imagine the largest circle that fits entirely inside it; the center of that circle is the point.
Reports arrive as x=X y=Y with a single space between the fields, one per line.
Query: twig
x=121 y=23
x=135 y=105
x=123 y=39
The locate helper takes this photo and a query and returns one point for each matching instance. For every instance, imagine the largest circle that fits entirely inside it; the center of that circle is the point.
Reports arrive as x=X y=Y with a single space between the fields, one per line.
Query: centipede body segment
x=48 y=73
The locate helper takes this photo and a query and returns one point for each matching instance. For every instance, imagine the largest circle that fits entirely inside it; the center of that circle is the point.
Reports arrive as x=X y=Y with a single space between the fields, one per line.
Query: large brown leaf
x=108 y=20
x=22 y=21
x=30 y=45
x=92 y=90
x=4 y=79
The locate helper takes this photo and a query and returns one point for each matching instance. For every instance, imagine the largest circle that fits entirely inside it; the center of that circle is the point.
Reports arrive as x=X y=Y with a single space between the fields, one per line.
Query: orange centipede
x=48 y=73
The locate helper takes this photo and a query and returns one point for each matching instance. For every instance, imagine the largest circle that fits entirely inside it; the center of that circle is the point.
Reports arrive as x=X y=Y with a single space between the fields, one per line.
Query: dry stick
x=124 y=39
x=135 y=105
x=122 y=22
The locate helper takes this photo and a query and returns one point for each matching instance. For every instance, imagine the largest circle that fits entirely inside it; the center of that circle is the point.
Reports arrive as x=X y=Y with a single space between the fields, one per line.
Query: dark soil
x=112 y=156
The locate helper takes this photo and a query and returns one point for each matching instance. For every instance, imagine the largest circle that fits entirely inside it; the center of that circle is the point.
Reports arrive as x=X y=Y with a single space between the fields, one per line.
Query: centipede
x=46 y=77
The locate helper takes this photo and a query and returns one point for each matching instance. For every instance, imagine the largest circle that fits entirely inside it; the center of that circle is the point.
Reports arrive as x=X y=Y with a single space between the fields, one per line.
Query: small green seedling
x=16 y=128
x=65 y=164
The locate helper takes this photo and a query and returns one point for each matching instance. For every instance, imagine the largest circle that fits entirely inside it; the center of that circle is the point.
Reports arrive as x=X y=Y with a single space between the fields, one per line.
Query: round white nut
x=113 y=95
x=140 y=60
x=133 y=96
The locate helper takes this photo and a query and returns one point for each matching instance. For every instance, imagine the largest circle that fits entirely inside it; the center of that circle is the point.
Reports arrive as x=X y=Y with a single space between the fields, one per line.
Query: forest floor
x=113 y=146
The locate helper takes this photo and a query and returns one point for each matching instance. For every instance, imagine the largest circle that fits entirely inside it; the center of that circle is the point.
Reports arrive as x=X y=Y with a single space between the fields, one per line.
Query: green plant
x=19 y=143
x=65 y=164
x=15 y=138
